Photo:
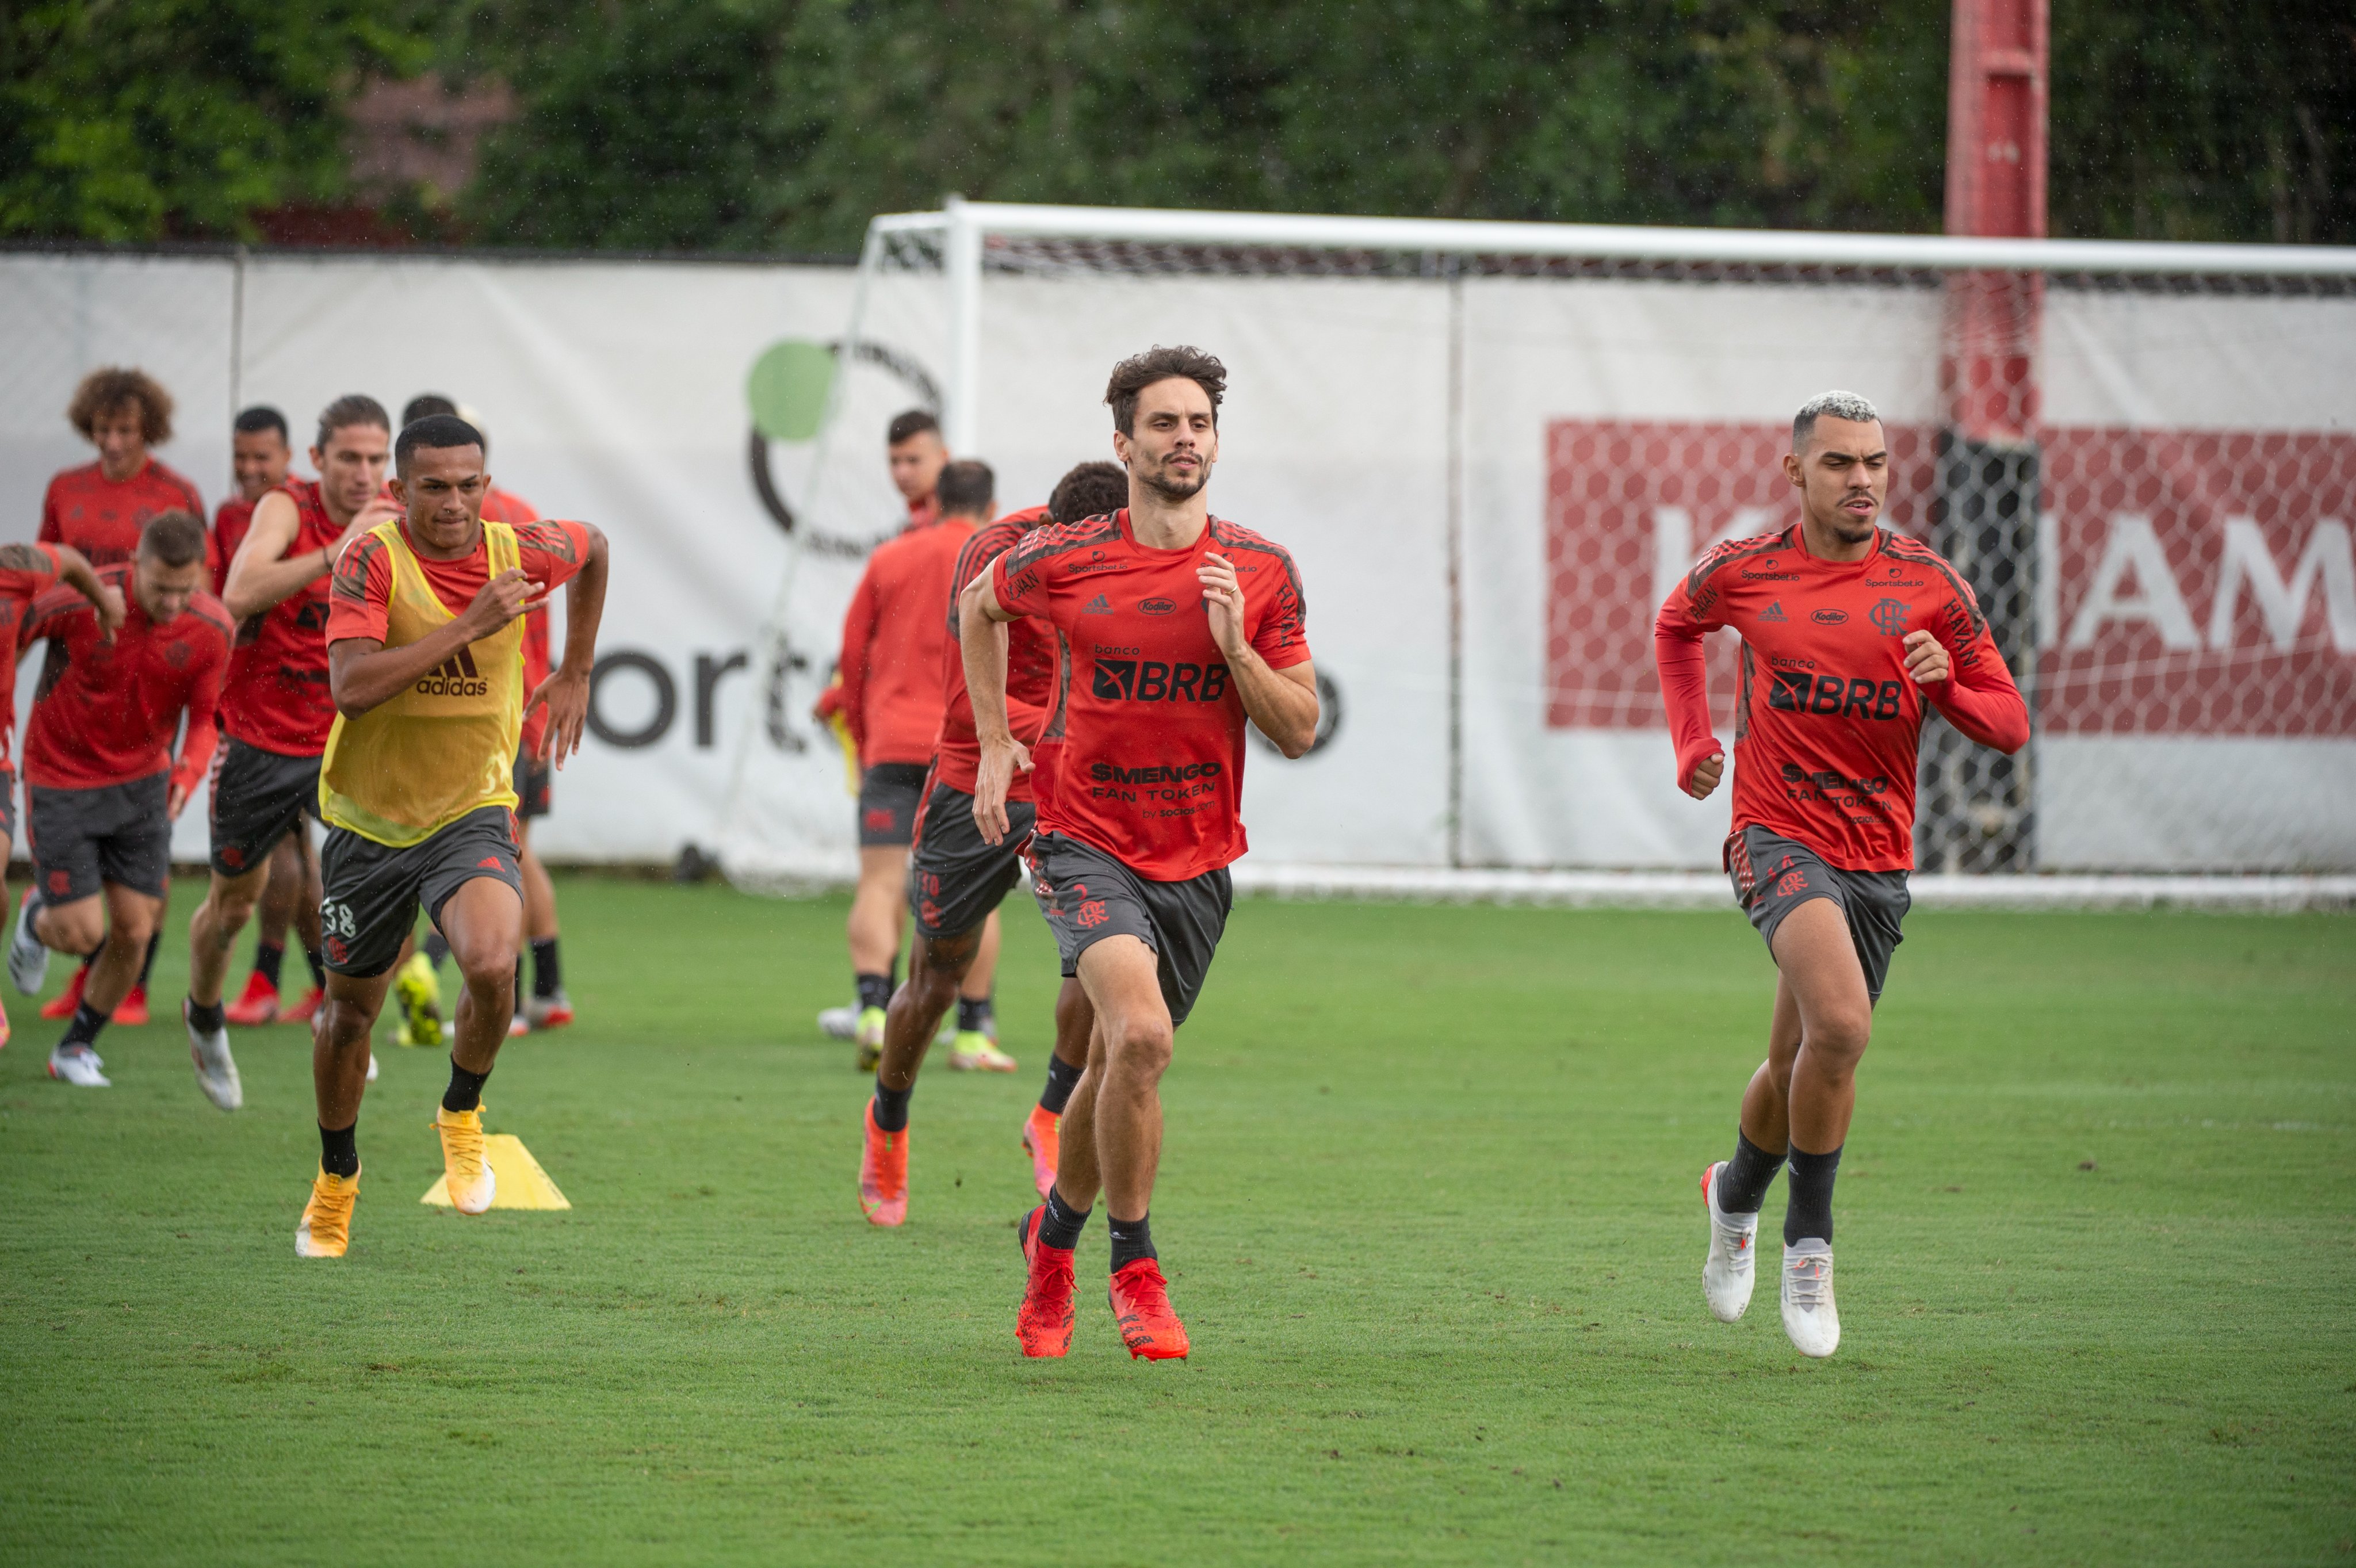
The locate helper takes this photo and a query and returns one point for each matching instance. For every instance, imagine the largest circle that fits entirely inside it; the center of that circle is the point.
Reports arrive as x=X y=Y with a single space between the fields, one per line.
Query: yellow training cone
x=522 y=1184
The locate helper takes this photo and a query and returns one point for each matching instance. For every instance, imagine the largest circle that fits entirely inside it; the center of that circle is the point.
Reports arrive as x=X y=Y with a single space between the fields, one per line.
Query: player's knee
x=487 y=967
x=1140 y=1046
x=340 y=1024
x=1839 y=1038
x=130 y=924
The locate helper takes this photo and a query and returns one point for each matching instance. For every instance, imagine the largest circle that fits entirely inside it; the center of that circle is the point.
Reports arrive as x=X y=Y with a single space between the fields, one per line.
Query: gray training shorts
x=1775 y=876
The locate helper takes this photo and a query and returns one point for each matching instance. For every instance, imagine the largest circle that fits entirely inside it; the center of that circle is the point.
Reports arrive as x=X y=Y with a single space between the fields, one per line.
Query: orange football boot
x=258 y=1006
x=3 y=1027
x=1141 y=1305
x=883 y=1173
x=1044 y=1326
x=301 y=1011
x=132 y=1011
x=1042 y=1135
x=63 y=1003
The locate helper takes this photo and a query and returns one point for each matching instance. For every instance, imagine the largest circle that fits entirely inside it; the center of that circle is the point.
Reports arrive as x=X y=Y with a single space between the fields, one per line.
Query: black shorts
x=889 y=794
x=1775 y=876
x=259 y=797
x=956 y=877
x=373 y=891
x=83 y=839
x=1088 y=896
x=534 y=781
x=8 y=804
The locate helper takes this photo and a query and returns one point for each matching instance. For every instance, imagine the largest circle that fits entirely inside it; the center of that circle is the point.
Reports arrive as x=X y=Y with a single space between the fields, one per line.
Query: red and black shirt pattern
x=1031 y=667
x=102 y=518
x=277 y=698
x=107 y=708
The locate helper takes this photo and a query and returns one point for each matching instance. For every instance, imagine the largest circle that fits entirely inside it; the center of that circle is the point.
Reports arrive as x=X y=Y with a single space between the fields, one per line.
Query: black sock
x=203 y=1018
x=891 y=1107
x=1062 y=1079
x=547 y=978
x=874 y=991
x=87 y=1022
x=1809 y=1212
x=1742 y=1184
x=339 y=1150
x=973 y=1018
x=267 y=957
x=1060 y=1226
x=436 y=948
x=318 y=968
x=147 y=964
x=1132 y=1239
x=465 y=1091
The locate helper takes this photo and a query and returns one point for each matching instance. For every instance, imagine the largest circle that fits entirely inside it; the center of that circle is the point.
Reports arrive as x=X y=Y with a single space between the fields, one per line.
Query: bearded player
x=1178 y=626
x=276 y=710
x=425 y=661
x=102 y=783
x=955 y=879
x=262 y=457
x=1848 y=631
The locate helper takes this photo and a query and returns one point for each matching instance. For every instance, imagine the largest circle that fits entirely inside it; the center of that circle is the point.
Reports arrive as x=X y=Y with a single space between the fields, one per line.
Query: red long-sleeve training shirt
x=106 y=709
x=1827 y=722
x=893 y=638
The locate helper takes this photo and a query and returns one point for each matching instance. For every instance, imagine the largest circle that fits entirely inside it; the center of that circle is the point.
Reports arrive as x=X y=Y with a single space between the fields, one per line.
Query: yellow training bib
x=410 y=766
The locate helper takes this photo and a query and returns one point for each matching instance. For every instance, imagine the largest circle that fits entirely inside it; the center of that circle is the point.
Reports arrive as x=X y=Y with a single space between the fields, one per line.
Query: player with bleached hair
x=1848 y=632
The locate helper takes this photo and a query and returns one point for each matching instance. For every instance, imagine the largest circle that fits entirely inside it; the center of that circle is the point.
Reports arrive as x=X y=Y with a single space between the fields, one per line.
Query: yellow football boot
x=325 y=1227
x=419 y=991
x=472 y=1182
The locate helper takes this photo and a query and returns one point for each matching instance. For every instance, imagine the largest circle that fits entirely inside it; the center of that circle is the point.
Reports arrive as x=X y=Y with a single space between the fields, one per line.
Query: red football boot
x=258 y=1006
x=301 y=1011
x=883 y=1173
x=1044 y=1327
x=63 y=1003
x=1141 y=1305
x=132 y=1011
x=1042 y=1135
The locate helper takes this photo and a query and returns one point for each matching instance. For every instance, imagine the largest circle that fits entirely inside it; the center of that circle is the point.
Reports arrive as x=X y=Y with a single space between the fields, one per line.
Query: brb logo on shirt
x=1797 y=691
x=1150 y=680
x=456 y=677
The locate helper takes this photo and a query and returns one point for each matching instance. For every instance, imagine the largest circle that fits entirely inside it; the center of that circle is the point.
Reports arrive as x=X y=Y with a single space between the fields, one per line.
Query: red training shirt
x=1150 y=769
x=1033 y=664
x=892 y=639
x=232 y=519
x=505 y=506
x=26 y=570
x=276 y=698
x=549 y=554
x=1827 y=722
x=106 y=709
x=101 y=518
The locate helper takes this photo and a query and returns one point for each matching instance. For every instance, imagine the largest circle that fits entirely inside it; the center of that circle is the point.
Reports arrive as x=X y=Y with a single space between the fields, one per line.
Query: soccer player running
x=99 y=509
x=102 y=783
x=424 y=658
x=1848 y=631
x=261 y=455
x=547 y=1006
x=1178 y=626
x=276 y=710
x=890 y=698
x=956 y=879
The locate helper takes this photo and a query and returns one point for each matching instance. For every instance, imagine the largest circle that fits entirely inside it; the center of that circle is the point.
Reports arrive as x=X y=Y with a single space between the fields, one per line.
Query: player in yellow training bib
x=425 y=661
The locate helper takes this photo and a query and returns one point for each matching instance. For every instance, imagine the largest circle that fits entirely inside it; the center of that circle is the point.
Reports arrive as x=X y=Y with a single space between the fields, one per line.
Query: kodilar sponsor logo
x=1157 y=607
x=1829 y=617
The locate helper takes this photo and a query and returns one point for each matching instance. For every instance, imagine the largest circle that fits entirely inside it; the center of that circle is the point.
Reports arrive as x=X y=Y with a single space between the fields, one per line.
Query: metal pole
x=961 y=260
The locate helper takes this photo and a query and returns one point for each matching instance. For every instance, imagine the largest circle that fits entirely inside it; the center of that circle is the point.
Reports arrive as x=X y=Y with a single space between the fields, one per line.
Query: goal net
x=1492 y=447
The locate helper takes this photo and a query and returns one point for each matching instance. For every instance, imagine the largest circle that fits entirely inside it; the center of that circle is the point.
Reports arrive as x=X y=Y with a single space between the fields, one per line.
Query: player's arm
x=1282 y=703
x=982 y=644
x=1971 y=685
x=203 y=734
x=73 y=569
x=362 y=672
x=566 y=690
x=1683 y=666
x=262 y=575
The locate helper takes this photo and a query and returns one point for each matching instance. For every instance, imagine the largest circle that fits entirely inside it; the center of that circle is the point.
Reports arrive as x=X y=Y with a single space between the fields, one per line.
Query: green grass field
x=1429 y=1210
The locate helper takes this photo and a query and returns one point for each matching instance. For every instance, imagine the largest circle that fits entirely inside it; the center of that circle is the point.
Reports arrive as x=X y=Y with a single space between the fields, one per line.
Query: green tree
x=143 y=119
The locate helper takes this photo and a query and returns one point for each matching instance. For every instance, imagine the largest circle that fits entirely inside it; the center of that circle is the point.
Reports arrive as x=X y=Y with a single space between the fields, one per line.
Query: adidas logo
x=1773 y=612
x=1100 y=605
x=455 y=677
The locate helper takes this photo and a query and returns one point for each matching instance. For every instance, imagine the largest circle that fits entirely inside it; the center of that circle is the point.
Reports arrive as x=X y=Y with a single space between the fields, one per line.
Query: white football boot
x=216 y=1069
x=1810 y=1318
x=1727 y=1275
x=78 y=1064
x=29 y=960
x=841 y=1022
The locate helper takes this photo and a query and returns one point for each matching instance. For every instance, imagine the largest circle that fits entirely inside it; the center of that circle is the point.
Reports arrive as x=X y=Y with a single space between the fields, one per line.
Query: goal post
x=1491 y=444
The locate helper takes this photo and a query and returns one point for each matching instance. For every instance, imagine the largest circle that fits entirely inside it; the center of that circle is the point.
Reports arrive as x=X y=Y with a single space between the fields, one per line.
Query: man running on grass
x=426 y=659
x=1847 y=630
x=955 y=879
x=1177 y=625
